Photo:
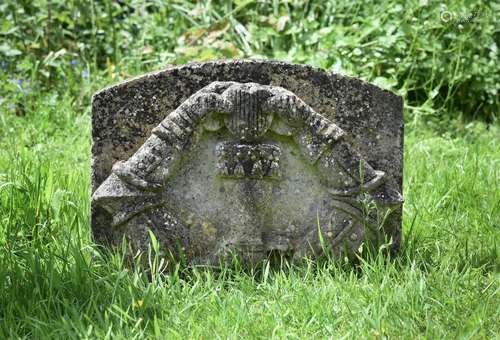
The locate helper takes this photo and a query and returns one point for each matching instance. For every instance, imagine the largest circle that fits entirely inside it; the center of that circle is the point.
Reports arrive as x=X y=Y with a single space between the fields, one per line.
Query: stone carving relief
x=247 y=169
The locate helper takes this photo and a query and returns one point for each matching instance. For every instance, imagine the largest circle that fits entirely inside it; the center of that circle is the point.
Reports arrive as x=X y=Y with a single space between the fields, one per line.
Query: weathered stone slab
x=248 y=157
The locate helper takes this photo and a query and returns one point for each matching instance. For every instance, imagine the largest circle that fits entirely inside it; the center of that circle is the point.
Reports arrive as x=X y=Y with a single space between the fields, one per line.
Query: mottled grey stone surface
x=246 y=157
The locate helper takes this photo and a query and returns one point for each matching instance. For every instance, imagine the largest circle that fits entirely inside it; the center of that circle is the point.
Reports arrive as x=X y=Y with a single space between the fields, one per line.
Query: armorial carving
x=250 y=169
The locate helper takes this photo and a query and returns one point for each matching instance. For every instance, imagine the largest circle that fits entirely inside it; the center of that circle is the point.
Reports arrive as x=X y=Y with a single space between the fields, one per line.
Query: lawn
x=445 y=282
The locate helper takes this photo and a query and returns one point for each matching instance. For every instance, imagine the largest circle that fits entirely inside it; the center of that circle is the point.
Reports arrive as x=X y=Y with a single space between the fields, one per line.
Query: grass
x=444 y=284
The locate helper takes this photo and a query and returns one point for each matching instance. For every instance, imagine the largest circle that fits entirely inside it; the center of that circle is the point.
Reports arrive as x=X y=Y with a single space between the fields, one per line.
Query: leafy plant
x=432 y=54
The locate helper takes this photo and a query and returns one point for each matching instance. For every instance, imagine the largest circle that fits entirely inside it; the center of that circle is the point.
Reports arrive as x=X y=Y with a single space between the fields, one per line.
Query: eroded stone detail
x=247 y=168
x=235 y=160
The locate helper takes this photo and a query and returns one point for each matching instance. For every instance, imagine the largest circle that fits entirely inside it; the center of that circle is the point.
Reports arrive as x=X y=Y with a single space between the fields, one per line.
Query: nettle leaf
x=387 y=40
x=280 y=25
x=57 y=201
x=228 y=49
x=7 y=28
x=207 y=53
x=385 y=83
x=435 y=92
x=9 y=51
x=190 y=37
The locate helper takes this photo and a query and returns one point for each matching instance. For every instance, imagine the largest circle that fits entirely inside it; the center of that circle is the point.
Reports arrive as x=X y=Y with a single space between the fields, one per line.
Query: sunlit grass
x=54 y=283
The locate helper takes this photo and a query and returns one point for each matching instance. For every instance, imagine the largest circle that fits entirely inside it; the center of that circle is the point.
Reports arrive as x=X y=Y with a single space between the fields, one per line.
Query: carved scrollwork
x=258 y=126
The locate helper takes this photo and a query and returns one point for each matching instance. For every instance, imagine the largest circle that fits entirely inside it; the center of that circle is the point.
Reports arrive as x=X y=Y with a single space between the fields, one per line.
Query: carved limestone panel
x=248 y=169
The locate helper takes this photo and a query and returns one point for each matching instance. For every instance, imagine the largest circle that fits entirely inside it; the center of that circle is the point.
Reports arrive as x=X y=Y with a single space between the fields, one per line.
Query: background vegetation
x=442 y=58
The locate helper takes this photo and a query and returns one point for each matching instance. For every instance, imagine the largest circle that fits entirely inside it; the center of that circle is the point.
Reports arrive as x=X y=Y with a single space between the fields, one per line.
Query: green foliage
x=445 y=283
x=438 y=57
x=55 y=284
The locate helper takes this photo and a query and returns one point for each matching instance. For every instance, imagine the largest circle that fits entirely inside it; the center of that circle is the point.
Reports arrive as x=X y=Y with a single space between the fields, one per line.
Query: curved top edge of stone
x=199 y=64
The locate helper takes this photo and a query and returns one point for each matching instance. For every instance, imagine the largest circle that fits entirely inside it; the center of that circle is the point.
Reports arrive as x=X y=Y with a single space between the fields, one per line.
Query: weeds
x=441 y=58
x=54 y=281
